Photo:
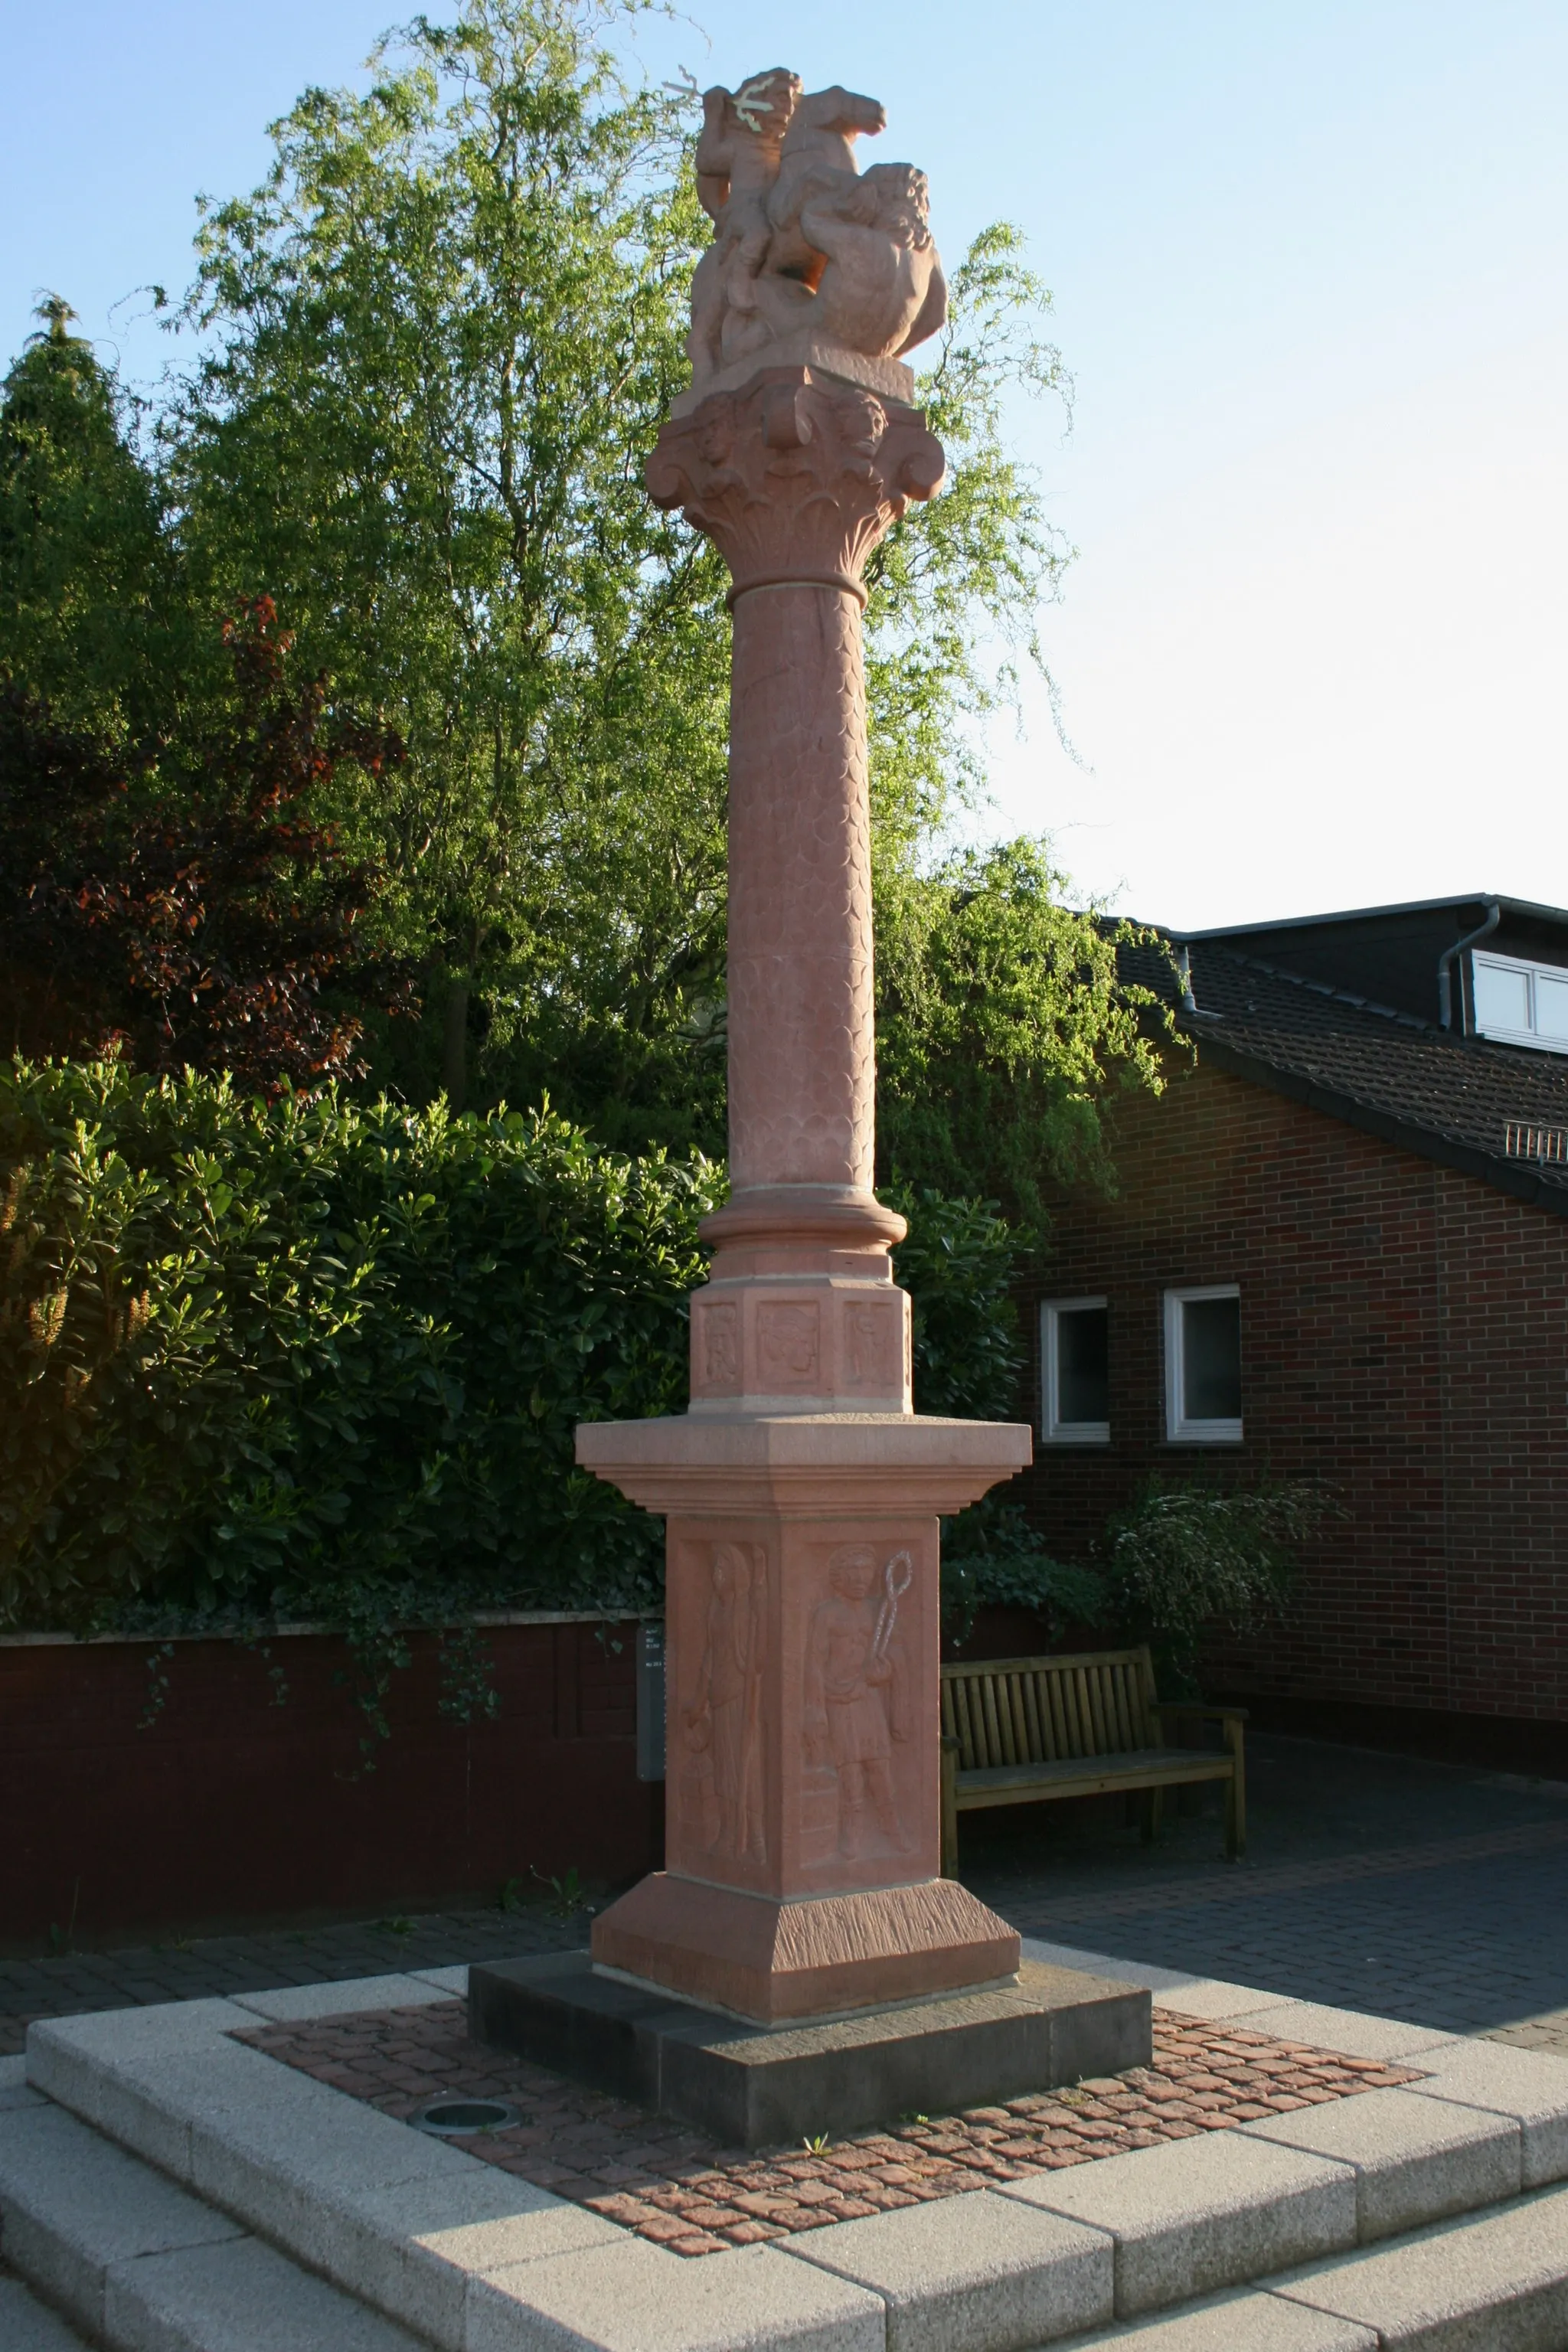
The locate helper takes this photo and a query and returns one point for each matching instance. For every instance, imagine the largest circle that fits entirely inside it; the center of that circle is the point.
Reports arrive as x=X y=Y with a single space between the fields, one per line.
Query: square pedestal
x=753 y=2087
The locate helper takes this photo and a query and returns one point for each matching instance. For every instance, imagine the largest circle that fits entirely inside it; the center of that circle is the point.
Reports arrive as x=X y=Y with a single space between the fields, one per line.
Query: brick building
x=1340 y=1247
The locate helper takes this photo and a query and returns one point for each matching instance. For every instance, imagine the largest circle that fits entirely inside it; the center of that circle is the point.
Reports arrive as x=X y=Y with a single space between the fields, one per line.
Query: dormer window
x=1521 y=1004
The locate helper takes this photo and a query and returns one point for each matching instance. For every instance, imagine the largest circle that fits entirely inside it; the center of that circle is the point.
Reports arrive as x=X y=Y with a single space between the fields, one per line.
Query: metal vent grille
x=1545 y=1143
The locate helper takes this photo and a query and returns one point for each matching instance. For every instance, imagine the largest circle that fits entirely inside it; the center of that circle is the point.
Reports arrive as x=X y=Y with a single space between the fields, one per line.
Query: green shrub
x=266 y=1358
x=1183 y=1559
x=324 y=1359
x=959 y=1264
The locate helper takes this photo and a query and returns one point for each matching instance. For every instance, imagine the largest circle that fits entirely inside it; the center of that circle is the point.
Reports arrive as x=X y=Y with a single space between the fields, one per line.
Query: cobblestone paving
x=1431 y=1892
x=685 y=2191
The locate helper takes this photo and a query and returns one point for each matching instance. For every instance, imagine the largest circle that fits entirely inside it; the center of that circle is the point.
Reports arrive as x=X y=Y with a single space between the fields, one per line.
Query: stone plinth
x=753 y=2088
x=803 y=1802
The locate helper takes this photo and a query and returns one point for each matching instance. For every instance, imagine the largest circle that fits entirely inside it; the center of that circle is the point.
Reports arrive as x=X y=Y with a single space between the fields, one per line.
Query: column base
x=777 y=1963
x=752 y=2087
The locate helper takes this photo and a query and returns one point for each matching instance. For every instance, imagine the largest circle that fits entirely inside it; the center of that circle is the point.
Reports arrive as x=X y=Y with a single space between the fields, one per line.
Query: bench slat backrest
x=1046 y=1710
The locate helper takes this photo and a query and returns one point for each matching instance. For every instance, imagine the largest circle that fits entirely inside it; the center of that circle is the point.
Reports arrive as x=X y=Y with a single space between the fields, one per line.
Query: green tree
x=89 y=611
x=448 y=329
x=1003 y=1024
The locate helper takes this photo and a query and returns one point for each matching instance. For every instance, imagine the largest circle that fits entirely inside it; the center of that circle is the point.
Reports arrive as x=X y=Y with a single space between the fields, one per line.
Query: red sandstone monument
x=802 y=1492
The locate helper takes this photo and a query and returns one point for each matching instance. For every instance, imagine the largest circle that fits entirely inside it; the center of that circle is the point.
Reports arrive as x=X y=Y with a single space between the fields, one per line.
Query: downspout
x=1446 y=967
x=1184 y=974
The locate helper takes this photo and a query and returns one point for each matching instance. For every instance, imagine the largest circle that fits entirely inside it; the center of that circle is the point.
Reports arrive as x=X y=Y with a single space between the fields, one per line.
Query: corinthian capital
x=797 y=476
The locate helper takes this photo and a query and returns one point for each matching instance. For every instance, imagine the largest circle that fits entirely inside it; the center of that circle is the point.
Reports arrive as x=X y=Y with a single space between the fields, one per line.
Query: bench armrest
x=954 y=1747
x=1196 y=1706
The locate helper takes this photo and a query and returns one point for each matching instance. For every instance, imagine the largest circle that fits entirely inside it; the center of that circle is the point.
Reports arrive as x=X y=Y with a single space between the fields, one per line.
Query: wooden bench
x=1022 y=1731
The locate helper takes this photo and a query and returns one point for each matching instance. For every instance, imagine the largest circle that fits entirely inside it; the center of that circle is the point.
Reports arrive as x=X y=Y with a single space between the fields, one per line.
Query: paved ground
x=683 y=2191
x=1425 y=1891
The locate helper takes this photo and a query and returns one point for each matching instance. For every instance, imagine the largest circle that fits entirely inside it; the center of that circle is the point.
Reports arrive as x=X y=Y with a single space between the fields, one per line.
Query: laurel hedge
x=322 y=1358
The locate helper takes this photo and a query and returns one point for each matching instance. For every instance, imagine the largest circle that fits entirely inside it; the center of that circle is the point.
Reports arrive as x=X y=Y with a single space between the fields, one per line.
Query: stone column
x=802 y=1493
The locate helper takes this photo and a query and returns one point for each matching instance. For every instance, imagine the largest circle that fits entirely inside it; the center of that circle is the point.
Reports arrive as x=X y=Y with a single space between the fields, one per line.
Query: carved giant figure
x=802 y=1494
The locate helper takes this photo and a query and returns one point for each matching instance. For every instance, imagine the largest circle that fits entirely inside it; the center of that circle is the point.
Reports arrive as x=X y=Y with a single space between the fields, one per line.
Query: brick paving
x=684 y=2191
x=264 y=1962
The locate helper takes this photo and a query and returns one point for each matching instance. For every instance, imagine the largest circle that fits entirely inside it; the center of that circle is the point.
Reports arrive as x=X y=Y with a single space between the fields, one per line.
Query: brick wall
x=228 y=1809
x=1404 y=1334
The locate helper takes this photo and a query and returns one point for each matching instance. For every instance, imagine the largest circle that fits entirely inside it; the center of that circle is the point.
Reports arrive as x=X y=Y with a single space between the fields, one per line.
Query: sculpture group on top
x=804 y=245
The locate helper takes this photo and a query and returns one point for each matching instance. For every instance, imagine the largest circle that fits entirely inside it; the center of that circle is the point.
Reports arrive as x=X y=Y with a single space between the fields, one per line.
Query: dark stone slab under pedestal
x=752 y=2086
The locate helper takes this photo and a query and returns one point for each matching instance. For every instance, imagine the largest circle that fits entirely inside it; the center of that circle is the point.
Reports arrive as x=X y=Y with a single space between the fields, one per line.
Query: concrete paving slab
x=297 y=2004
x=26 y=2326
x=1496 y=2283
x=71 y=2205
x=1201 y=2214
x=1353 y=2031
x=635 y=2297
x=239 y=2297
x=1416 y=2159
x=1530 y=2085
x=972 y=2274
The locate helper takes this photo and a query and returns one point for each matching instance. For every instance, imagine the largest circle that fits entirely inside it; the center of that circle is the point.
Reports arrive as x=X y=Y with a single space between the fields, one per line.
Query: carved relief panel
x=865 y=1793
x=715 y=1347
x=789 y=1348
x=719 y=1771
x=873 y=1344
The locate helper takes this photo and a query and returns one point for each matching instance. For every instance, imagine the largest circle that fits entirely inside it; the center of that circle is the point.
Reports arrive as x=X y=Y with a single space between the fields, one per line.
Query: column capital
x=796 y=476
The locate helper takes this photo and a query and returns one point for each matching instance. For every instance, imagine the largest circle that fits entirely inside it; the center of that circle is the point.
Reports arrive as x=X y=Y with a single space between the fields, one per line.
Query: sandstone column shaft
x=802 y=1069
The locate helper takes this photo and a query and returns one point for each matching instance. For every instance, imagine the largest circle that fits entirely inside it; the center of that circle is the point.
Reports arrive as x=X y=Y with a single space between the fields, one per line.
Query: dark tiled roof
x=1449 y=1099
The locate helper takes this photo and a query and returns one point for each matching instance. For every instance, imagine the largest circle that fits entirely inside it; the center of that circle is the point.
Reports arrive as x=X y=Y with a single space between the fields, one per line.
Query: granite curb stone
x=635 y=2297
x=1530 y=2085
x=1197 y=2215
x=93 y=2065
x=72 y=2205
x=1417 y=2158
x=972 y=2274
x=293 y=2004
x=417 y=2250
x=14 y=2088
x=29 y=2325
x=452 y=1983
x=1205 y=1997
x=1356 y=2033
x=1496 y=2283
x=240 y=2297
x=1243 y=2322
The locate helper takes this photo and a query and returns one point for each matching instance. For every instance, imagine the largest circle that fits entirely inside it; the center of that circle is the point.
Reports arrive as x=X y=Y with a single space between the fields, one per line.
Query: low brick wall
x=230 y=1810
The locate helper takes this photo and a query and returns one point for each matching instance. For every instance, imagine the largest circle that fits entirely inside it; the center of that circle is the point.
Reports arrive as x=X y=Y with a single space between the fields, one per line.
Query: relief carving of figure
x=802 y=241
x=856 y=1696
x=723 y=1717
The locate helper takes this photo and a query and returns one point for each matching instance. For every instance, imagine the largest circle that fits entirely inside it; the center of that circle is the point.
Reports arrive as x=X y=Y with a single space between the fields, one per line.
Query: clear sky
x=1311 y=266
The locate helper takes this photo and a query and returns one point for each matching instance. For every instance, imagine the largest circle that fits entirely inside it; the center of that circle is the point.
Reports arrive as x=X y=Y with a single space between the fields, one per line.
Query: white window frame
x=1053 y=1429
x=1179 y=1429
x=1530 y=1036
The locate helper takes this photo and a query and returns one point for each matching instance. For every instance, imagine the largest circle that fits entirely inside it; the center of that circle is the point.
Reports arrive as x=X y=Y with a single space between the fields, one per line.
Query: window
x=1521 y=1004
x=1075 y=1354
x=1203 y=1365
